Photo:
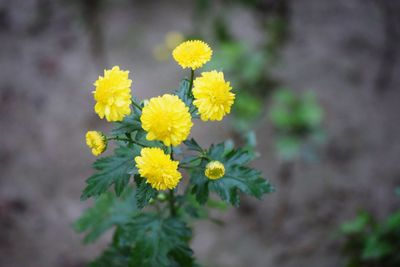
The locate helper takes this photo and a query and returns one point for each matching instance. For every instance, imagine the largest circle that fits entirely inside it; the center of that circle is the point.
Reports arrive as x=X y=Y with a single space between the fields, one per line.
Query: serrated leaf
x=113 y=256
x=157 y=241
x=144 y=192
x=185 y=95
x=140 y=137
x=108 y=211
x=129 y=125
x=200 y=189
x=190 y=161
x=245 y=179
x=193 y=145
x=115 y=169
x=238 y=157
x=238 y=177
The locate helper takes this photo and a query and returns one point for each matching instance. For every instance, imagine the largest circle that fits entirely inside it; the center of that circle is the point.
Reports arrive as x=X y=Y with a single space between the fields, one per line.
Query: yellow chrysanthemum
x=214 y=170
x=166 y=118
x=192 y=54
x=213 y=96
x=113 y=94
x=159 y=170
x=96 y=141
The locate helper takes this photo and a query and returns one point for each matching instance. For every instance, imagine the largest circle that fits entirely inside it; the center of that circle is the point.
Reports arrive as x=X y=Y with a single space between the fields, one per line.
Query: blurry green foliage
x=107 y=212
x=297 y=121
x=248 y=65
x=370 y=243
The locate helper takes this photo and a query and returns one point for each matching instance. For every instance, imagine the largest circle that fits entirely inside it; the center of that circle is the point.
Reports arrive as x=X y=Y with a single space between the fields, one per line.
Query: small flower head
x=214 y=170
x=96 y=141
x=113 y=95
x=192 y=54
x=159 y=170
x=166 y=118
x=213 y=96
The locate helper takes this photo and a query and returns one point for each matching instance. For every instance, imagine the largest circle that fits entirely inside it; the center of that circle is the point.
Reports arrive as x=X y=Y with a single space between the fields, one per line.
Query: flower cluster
x=153 y=152
x=165 y=118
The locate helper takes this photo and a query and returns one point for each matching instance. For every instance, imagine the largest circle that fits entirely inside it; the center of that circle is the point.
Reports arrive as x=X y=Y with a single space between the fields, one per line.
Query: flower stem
x=172 y=203
x=136 y=105
x=191 y=81
x=116 y=138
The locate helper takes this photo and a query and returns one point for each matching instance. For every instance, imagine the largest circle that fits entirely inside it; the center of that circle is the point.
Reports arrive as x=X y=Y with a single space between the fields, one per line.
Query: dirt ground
x=47 y=69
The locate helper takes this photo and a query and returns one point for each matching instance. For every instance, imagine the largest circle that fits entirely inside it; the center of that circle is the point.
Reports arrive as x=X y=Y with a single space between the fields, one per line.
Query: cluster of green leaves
x=372 y=243
x=151 y=227
x=297 y=121
x=238 y=177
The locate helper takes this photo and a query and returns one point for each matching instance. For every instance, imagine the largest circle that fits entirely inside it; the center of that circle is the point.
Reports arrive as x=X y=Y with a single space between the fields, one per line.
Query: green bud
x=161 y=197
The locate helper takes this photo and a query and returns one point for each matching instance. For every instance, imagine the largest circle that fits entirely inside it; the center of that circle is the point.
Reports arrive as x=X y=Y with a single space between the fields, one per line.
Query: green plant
x=370 y=243
x=151 y=206
x=297 y=122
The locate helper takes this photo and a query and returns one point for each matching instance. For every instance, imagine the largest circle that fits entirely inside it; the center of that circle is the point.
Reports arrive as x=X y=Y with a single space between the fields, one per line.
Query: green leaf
x=113 y=256
x=376 y=248
x=357 y=225
x=129 y=125
x=193 y=145
x=238 y=177
x=239 y=157
x=190 y=162
x=107 y=212
x=185 y=95
x=140 y=137
x=157 y=241
x=144 y=192
x=392 y=223
x=115 y=169
x=245 y=179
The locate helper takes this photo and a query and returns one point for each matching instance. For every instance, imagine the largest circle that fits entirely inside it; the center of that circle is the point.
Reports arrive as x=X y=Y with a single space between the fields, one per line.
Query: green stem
x=191 y=81
x=116 y=138
x=172 y=203
x=136 y=105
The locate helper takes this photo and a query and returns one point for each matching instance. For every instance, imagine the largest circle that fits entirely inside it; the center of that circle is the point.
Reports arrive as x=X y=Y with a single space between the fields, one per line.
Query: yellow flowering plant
x=161 y=177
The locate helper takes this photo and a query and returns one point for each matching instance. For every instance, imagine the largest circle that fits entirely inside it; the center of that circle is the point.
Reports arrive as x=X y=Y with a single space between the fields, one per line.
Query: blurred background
x=318 y=99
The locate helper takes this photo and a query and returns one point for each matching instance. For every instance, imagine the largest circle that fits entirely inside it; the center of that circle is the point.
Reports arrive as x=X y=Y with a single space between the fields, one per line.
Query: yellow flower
x=96 y=141
x=166 y=118
x=113 y=95
x=213 y=96
x=214 y=170
x=192 y=54
x=159 y=170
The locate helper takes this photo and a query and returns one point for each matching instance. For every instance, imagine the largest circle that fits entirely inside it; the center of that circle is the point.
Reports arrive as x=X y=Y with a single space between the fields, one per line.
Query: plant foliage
x=372 y=243
x=150 y=227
